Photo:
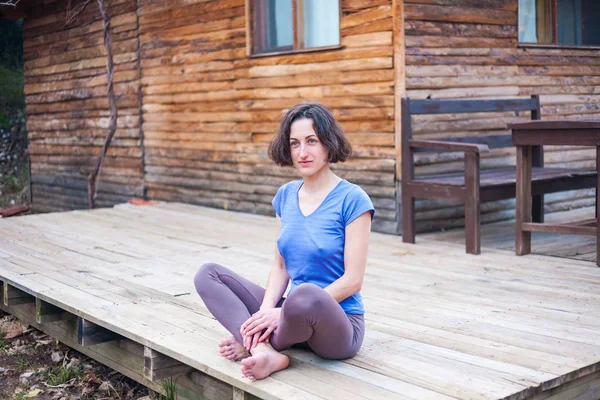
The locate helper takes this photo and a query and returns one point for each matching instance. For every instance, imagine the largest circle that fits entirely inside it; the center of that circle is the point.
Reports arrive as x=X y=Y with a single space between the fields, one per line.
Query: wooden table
x=527 y=135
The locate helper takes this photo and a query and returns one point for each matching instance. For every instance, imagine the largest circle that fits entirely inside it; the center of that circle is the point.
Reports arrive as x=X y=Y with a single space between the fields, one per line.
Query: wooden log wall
x=209 y=111
x=469 y=49
x=67 y=107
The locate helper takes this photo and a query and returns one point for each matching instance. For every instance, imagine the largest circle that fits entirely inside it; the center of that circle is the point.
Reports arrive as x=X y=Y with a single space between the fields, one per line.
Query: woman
x=323 y=226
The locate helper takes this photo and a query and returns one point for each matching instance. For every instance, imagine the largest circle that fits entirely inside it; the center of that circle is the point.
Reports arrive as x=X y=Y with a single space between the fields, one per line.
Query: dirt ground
x=36 y=366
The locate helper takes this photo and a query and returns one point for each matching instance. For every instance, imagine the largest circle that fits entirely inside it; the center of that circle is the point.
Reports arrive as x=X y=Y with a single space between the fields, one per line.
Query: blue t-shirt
x=313 y=246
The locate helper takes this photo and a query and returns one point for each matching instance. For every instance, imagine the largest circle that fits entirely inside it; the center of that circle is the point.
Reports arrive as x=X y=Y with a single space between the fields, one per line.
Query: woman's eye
x=312 y=141
x=293 y=144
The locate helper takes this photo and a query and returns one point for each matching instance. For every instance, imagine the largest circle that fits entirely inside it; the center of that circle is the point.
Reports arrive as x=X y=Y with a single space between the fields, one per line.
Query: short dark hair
x=327 y=129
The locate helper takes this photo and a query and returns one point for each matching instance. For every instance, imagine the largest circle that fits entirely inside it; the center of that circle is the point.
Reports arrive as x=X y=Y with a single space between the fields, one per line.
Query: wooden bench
x=475 y=185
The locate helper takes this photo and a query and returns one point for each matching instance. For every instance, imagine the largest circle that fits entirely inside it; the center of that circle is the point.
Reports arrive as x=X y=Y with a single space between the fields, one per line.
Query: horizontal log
x=192 y=19
x=437 y=28
x=460 y=93
x=83 y=161
x=368 y=39
x=560 y=71
x=83 y=113
x=190 y=59
x=312 y=79
x=223 y=106
x=340 y=66
x=132 y=133
x=122 y=47
x=123 y=121
x=98 y=103
x=187 y=87
x=235 y=40
x=197 y=136
x=453 y=41
x=379 y=25
x=88 y=15
x=460 y=70
x=124 y=88
x=184 y=34
x=483 y=81
x=357 y=5
x=116 y=22
x=507 y=5
x=123 y=76
x=82 y=64
x=75 y=183
x=35 y=148
x=181 y=77
x=510 y=59
x=367 y=15
x=86 y=141
x=180 y=9
x=199 y=117
x=459 y=14
x=53 y=12
x=205 y=155
x=92 y=40
x=85 y=73
x=331 y=102
x=320 y=57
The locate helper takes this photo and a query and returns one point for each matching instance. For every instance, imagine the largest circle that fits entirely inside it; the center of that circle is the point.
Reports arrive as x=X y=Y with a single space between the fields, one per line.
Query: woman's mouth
x=304 y=163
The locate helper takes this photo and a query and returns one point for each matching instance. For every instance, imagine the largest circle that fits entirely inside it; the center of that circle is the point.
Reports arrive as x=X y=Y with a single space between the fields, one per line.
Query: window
x=291 y=25
x=560 y=22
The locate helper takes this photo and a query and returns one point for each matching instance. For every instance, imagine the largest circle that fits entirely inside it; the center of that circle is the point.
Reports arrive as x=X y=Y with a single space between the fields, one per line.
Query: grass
x=3 y=344
x=169 y=387
x=63 y=374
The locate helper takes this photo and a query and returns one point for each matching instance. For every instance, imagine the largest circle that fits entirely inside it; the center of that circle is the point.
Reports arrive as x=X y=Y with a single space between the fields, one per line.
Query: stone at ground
x=25 y=377
x=57 y=356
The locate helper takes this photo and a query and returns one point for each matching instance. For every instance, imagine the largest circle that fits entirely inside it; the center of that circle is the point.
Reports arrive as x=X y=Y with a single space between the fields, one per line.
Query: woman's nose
x=303 y=151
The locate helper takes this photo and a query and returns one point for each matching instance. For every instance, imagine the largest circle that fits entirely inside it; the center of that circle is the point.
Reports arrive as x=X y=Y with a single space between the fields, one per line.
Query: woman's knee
x=306 y=299
x=204 y=276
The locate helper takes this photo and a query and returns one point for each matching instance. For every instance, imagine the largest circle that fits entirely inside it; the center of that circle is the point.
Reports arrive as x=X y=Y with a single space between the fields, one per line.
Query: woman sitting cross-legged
x=323 y=227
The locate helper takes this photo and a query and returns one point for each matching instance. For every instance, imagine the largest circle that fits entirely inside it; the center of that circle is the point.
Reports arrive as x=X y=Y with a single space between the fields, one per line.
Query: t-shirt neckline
x=320 y=205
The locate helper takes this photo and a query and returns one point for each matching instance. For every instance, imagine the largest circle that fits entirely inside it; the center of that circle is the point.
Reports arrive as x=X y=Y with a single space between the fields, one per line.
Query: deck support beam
x=89 y=334
x=13 y=296
x=46 y=312
x=158 y=366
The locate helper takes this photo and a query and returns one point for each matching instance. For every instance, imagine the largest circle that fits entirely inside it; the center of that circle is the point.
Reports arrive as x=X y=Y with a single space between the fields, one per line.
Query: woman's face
x=308 y=154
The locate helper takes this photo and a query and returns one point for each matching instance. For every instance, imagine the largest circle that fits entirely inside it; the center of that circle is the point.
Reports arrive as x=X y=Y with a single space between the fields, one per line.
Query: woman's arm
x=355 y=259
x=278 y=278
x=260 y=325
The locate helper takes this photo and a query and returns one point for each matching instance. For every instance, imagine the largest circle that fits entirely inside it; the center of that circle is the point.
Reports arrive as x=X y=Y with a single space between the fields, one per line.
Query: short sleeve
x=357 y=202
x=277 y=200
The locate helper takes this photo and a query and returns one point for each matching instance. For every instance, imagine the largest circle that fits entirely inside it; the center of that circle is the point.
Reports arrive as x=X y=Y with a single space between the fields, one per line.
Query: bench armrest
x=448 y=146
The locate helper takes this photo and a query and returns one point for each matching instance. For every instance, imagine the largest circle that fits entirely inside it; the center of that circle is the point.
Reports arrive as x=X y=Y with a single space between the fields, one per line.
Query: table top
x=556 y=124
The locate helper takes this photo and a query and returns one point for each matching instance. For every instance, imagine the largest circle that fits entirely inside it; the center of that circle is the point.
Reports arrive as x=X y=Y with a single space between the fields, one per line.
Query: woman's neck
x=325 y=180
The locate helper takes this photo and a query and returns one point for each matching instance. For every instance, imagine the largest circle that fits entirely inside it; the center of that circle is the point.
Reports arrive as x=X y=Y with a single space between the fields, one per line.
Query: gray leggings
x=309 y=315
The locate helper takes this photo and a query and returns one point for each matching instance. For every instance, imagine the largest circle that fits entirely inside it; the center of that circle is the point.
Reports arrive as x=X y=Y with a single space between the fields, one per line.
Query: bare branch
x=12 y=3
x=74 y=12
x=112 y=103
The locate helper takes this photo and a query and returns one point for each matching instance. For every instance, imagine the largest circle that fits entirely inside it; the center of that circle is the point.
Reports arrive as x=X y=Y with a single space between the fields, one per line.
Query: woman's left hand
x=265 y=320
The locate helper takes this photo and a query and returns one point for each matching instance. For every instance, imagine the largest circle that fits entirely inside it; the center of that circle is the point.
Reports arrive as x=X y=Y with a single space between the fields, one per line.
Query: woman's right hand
x=265 y=321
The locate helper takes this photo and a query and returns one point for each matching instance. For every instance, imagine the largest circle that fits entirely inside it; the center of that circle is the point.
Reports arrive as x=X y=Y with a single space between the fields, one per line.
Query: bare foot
x=263 y=362
x=232 y=350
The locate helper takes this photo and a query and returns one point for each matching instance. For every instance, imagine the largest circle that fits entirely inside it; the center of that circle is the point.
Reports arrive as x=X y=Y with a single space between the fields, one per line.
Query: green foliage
x=3 y=345
x=11 y=91
x=169 y=387
x=11 y=44
x=63 y=374
x=22 y=364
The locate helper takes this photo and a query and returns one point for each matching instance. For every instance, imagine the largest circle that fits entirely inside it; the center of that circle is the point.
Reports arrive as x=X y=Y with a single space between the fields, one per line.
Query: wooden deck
x=440 y=324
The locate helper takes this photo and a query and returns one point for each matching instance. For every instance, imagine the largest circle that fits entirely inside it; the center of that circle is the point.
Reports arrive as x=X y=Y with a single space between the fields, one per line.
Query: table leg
x=523 y=239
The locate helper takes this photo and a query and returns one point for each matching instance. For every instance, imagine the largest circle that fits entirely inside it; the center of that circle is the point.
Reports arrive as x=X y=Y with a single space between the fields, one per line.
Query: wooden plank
x=14 y=296
x=399 y=81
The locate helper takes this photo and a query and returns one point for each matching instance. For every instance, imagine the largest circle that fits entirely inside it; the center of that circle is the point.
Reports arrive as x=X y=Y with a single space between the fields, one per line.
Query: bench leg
x=472 y=225
x=472 y=207
x=408 y=218
x=537 y=208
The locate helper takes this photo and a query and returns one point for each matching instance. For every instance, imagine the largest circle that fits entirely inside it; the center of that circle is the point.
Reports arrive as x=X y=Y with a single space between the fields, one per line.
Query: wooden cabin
x=202 y=84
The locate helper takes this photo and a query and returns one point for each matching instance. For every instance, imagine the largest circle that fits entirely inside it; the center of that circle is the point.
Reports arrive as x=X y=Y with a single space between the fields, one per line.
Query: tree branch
x=112 y=126
x=12 y=3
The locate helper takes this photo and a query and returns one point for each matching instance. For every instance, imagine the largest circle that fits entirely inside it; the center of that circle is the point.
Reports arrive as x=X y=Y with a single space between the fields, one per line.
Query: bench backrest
x=420 y=107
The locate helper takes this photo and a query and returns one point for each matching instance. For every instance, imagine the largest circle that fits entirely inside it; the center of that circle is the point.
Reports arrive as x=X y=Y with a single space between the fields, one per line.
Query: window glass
x=321 y=23
x=273 y=27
